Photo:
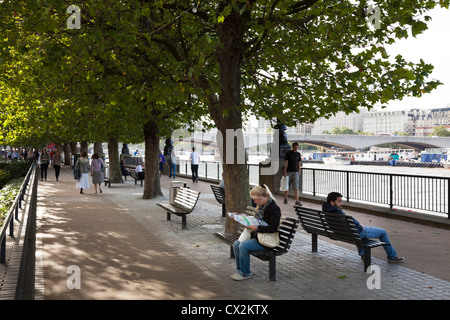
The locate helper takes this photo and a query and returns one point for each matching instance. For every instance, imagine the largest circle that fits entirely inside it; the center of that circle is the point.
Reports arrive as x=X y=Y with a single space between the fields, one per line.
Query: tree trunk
x=98 y=149
x=152 y=187
x=229 y=116
x=84 y=146
x=115 y=175
x=66 y=149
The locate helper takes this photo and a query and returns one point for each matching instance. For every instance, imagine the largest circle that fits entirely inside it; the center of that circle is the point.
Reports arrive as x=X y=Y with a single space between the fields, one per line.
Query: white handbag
x=284 y=184
x=270 y=240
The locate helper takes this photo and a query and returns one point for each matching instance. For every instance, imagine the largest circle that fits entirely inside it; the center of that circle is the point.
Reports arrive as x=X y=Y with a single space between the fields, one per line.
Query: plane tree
x=295 y=60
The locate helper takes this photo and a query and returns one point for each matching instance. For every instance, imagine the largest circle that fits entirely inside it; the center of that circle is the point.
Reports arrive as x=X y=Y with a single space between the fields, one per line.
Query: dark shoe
x=397 y=260
x=101 y=190
x=298 y=203
x=285 y=201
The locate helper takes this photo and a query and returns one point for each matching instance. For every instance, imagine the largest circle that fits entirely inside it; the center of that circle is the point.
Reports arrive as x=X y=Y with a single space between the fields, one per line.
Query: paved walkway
x=124 y=248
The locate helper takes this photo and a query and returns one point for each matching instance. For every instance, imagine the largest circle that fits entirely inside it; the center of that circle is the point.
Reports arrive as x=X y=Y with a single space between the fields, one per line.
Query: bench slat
x=287 y=230
x=184 y=203
x=334 y=226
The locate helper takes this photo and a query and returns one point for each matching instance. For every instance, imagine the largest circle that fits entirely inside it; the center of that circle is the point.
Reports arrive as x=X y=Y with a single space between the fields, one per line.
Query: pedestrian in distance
x=140 y=171
x=124 y=170
x=334 y=204
x=83 y=166
x=162 y=160
x=44 y=160
x=97 y=167
x=57 y=161
x=292 y=164
x=194 y=157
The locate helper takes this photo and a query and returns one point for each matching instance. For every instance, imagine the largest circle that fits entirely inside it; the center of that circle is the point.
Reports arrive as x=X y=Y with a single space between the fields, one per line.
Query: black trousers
x=194 y=168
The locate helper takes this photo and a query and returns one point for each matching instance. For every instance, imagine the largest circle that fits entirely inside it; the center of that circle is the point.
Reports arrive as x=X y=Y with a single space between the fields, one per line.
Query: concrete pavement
x=115 y=245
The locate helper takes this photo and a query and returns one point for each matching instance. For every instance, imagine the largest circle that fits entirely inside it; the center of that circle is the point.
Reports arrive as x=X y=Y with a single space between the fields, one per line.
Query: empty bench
x=288 y=227
x=335 y=226
x=219 y=194
x=184 y=204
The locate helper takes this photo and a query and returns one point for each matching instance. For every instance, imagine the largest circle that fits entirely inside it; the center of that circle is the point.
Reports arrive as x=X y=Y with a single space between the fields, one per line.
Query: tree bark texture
x=152 y=186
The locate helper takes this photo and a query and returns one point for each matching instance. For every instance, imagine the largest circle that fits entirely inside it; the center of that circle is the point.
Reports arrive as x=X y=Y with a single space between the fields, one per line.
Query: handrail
x=14 y=211
x=418 y=192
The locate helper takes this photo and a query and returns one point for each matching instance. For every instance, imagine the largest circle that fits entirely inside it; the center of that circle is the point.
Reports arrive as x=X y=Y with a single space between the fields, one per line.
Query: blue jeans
x=172 y=170
x=381 y=234
x=242 y=255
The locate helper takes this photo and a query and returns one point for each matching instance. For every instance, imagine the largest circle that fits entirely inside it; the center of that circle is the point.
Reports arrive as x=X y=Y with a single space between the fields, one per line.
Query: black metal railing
x=400 y=191
x=13 y=213
x=394 y=190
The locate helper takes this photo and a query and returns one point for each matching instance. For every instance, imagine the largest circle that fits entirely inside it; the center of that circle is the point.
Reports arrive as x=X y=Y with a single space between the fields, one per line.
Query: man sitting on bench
x=334 y=204
x=140 y=171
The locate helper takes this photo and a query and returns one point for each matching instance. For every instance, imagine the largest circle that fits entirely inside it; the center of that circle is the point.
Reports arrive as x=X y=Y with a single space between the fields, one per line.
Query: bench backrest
x=186 y=198
x=332 y=225
x=287 y=230
x=133 y=174
x=219 y=193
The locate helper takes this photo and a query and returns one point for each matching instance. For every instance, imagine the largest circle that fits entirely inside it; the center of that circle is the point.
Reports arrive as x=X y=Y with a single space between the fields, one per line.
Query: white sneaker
x=238 y=277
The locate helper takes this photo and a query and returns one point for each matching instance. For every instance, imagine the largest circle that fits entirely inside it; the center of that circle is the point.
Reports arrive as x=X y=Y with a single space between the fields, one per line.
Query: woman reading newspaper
x=269 y=212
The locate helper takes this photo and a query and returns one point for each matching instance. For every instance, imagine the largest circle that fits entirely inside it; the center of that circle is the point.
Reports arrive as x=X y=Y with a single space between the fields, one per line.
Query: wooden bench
x=287 y=230
x=335 y=226
x=184 y=204
x=219 y=194
x=135 y=177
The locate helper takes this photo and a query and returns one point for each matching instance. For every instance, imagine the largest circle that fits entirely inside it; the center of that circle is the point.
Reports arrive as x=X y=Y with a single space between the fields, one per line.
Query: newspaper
x=246 y=220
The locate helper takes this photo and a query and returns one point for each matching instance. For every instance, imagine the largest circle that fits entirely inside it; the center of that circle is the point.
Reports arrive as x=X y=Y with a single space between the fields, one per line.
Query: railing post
x=348 y=186
x=448 y=198
x=3 y=250
x=314 y=182
x=391 y=195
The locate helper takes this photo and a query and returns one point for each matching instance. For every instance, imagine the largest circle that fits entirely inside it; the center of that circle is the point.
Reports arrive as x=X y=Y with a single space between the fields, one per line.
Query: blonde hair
x=261 y=191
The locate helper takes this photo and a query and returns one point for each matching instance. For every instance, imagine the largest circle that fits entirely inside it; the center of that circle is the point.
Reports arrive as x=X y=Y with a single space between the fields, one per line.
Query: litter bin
x=174 y=186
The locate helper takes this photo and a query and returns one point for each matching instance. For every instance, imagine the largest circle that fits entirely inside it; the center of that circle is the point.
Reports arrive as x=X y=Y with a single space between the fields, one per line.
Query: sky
x=433 y=46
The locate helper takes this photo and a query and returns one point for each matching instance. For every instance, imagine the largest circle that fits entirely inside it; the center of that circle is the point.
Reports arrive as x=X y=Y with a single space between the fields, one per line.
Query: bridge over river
x=344 y=141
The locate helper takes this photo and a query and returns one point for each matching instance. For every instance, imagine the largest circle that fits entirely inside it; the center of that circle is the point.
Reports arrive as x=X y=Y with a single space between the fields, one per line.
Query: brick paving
x=125 y=249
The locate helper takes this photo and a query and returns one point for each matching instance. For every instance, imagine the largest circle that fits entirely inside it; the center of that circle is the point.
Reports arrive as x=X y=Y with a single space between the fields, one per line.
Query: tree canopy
x=139 y=69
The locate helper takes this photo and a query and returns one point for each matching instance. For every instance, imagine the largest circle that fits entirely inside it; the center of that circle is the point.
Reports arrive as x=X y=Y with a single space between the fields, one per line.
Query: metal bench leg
x=314 y=242
x=183 y=222
x=168 y=216
x=272 y=268
x=367 y=258
x=232 y=256
x=223 y=210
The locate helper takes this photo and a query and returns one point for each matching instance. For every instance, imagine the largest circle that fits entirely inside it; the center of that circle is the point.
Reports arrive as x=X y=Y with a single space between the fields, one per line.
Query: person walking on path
x=194 y=157
x=97 y=166
x=44 y=159
x=57 y=160
x=334 y=204
x=83 y=166
x=162 y=160
x=292 y=164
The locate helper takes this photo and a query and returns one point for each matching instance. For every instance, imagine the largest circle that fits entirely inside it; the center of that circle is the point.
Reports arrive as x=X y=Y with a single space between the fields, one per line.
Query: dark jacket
x=329 y=208
x=272 y=215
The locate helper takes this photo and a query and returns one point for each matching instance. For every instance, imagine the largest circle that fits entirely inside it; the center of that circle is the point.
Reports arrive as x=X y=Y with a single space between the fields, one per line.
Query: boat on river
x=337 y=159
